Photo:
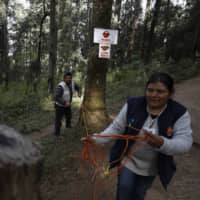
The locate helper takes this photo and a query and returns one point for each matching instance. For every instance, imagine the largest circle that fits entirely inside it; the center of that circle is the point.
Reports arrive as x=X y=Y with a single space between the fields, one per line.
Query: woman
x=166 y=124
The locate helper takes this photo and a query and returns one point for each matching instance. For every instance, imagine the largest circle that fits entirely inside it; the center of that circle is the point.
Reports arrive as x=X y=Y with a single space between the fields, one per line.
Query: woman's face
x=157 y=95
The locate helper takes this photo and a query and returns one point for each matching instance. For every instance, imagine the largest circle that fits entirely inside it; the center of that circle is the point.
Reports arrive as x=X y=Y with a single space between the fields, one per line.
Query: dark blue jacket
x=136 y=116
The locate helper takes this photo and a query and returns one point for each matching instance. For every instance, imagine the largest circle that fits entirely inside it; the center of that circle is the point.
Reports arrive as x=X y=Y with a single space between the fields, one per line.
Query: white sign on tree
x=104 y=50
x=105 y=37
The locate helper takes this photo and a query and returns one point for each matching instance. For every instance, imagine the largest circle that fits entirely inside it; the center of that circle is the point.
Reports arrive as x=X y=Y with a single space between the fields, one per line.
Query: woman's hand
x=152 y=139
x=87 y=140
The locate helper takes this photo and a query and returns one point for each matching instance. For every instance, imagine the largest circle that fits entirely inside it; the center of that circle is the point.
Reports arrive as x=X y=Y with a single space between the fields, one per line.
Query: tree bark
x=151 y=33
x=196 y=37
x=116 y=15
x=45 y=14
x=53 y=47
x=166 y=27
x=4 y=62
x=147 y=13
x=94 y=109
x=35 y=66
x=20 y=167
x=89 y=22
x=136 y=14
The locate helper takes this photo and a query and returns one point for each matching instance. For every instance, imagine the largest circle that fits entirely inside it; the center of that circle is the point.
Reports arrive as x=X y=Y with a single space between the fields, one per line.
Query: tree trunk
x=94 y=108
x=4 y=62
x=45 y=14
x=195 y=40
x=36 y=64
x=166 y=27
x=20 y=167
x=116 y=15
x=52 y=48
x=151 y=34
x=147 y=13
x=167 y=10
x=136 y=14
x=89 y=22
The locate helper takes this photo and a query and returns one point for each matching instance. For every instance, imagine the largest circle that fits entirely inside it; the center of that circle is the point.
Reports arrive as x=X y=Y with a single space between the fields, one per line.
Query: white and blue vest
x=66 y=92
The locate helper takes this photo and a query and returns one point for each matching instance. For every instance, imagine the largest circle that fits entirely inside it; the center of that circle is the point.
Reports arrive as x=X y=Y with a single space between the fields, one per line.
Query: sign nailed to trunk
x=104 y=50
x=106 y=36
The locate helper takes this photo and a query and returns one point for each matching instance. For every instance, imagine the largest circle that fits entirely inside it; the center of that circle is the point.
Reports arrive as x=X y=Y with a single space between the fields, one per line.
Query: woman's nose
x=154 y=93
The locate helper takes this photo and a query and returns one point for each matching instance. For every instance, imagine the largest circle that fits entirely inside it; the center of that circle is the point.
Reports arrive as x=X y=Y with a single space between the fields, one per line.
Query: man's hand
x=152 y=139
x=67 y=104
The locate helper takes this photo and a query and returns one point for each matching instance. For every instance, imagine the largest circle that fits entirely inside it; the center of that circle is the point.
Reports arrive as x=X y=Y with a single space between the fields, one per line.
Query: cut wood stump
x=20 y=166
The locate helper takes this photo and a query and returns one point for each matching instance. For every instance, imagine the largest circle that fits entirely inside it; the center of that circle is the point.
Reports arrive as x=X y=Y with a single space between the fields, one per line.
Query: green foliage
x=185 y=69
x=124 y=83
x=130 y=79
x=25 y=112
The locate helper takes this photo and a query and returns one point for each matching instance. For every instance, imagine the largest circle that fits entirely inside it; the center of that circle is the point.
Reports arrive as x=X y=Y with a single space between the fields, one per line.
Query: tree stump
x=20 y=166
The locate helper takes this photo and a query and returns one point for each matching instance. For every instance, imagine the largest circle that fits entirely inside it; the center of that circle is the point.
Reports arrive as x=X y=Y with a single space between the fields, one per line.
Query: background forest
x=41 y=41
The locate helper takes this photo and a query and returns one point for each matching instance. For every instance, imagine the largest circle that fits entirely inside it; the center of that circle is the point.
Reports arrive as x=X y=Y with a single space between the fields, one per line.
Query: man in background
x=63 y=100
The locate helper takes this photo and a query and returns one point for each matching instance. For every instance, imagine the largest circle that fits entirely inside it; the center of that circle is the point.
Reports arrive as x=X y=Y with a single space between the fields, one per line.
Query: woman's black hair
x=164 y=78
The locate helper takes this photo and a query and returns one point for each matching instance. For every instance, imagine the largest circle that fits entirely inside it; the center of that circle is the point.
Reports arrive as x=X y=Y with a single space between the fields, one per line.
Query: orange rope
x=93 y=153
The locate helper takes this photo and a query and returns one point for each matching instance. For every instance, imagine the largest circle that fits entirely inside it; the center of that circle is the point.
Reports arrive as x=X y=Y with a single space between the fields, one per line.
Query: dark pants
x=59 y=113
x=132 y=186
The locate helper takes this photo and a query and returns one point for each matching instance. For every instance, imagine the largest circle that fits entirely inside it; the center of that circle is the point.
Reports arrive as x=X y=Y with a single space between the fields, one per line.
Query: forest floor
x=70 y=182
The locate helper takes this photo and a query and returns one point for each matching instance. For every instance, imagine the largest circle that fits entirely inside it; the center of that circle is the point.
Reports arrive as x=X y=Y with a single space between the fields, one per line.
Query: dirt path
x=186 y=182
x=188 y=92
